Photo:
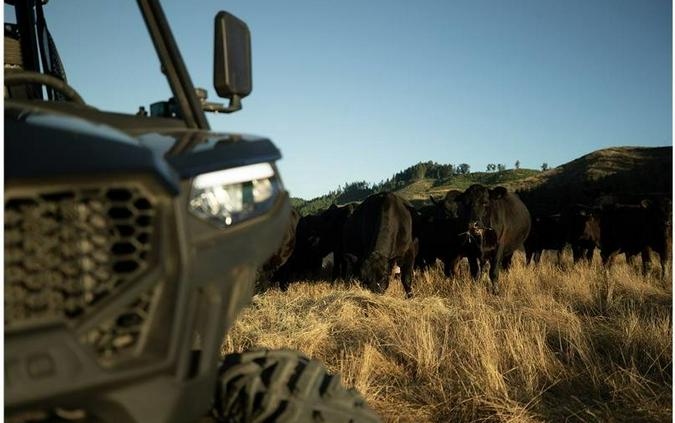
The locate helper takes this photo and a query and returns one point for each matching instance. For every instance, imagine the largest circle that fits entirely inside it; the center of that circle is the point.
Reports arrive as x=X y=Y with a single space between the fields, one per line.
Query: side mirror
x=232 y=59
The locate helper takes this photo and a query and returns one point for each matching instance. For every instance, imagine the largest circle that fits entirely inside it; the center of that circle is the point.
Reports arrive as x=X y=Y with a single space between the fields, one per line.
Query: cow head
x=477 y=240
x=317 y=235
x=473 y=206
x=375 y=273
x=351 y=265
x=448 y=207
x=661 y=210
x=309 y=247
x=583 y=222
x=307 y=232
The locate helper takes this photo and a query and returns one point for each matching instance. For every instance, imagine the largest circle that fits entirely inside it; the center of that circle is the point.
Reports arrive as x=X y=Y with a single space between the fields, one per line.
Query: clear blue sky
x=358 y=90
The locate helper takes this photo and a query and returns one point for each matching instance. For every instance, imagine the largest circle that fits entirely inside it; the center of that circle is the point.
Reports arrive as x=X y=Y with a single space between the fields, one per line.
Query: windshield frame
x=172 y=64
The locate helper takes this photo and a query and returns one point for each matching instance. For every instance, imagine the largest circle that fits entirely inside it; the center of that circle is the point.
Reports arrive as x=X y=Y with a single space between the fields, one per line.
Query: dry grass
x=559 y=344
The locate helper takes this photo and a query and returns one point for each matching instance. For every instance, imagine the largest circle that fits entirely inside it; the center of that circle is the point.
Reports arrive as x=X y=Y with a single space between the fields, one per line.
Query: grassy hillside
x=624 y=173
x=572 y=344
x=422 y=189
x=620 y=171
x=419 y=189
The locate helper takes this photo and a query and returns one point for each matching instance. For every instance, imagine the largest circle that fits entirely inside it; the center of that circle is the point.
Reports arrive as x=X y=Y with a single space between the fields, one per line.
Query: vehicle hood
x=191 y=152
x=43 y=144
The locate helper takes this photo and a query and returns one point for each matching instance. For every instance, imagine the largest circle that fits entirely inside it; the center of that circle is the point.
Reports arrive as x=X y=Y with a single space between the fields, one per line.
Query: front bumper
x=197 y=280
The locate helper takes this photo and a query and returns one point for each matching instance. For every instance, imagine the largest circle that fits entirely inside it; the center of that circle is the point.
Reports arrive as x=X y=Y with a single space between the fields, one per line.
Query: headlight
x=232 y=195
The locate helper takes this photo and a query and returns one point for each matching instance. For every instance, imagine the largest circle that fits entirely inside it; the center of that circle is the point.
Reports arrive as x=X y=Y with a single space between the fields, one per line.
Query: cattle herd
x=484 y=225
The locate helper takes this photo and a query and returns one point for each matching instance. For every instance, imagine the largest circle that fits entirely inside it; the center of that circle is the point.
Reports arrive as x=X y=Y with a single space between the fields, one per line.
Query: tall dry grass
x=570 y=343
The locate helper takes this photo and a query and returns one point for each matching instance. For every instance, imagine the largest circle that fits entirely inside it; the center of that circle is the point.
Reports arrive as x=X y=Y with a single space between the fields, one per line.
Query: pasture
x=570 y=343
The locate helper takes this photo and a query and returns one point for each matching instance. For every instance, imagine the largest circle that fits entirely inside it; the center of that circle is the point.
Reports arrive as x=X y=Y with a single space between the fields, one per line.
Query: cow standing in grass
x=377 y=237
x=547 y=233
x=271 y=272
x=582 y=227
x=437 y=228
x=317 y=236
x=637 y=229
x=495 y=223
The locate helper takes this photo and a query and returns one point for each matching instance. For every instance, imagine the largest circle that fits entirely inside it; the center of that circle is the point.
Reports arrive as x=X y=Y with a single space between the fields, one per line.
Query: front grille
x=119 y=335
x=66 y=251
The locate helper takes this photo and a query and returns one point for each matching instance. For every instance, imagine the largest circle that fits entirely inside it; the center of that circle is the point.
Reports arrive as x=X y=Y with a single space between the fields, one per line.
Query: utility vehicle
x=132 y=242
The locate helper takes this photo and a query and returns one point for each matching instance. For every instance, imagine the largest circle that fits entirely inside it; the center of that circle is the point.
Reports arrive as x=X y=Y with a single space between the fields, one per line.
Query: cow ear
x=646 y=203
x=498 y=192
x=582 y=212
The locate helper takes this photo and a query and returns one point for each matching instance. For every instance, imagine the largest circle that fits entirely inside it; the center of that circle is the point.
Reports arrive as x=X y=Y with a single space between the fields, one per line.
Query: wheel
x=284 y=386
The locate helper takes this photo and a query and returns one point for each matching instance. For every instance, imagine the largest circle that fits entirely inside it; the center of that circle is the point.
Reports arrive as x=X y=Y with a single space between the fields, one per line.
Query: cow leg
x=455 y=265
x=630 y=260
x=646 y=262
x=451 y=266
x=608 y=258
x=283 y=284
x=448 y=267
x=350 y=266
x=336 y=273
x=537 y=257
x=339 y=269
x=577 y=253
x=589 y=254
x=528 y=257
x=506 y=262
x=474 y=268
x=406 y=265
x=663 y=257
x=495 y=265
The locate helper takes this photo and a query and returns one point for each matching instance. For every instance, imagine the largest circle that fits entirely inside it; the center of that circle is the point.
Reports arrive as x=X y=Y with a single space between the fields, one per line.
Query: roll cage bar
x=171 y=61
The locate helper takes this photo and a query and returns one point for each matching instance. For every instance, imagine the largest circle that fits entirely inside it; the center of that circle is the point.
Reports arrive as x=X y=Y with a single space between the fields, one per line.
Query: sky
x=356 y=90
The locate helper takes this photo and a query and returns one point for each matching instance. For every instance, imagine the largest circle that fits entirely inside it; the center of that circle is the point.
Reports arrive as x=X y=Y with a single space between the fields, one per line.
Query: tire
x=284 y=386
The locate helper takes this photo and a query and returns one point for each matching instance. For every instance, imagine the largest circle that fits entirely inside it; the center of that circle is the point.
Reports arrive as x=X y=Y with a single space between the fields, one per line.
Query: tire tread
x=284 y=386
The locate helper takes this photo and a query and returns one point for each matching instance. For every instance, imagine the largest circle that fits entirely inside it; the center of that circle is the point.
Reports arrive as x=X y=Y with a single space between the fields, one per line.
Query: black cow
x=582 y=227
x=436 y=227
x=268 y=274
x=547 y=233
x=376 y=237
x=495 y=223
x=317 y=236
x=637 y=229
x=423 y=229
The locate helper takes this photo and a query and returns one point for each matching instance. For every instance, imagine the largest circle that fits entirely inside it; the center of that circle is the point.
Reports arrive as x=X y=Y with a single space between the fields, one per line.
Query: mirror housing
x=232 y=59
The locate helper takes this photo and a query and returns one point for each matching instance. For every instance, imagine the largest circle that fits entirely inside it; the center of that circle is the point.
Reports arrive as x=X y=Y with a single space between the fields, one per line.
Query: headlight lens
x=232 y=195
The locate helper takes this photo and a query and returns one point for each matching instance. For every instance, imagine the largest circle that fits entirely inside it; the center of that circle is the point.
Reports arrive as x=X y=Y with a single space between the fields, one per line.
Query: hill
x=415 y=183
x=623 y=172
x=420 y=190
x=626 y=174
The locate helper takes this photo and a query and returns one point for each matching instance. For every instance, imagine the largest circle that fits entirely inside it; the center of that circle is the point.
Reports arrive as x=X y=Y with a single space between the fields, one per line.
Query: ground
x=560 y=343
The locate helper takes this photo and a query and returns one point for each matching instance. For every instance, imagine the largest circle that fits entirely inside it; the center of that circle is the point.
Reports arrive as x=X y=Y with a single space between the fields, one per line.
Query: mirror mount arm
x=235 y=105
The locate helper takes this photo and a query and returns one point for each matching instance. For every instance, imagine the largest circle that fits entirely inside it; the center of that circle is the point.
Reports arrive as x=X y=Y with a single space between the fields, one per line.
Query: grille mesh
x=121 y=334
x=65 y=251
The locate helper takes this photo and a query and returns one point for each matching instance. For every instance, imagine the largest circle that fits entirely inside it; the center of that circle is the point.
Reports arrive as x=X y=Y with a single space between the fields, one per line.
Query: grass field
x=569 y=343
